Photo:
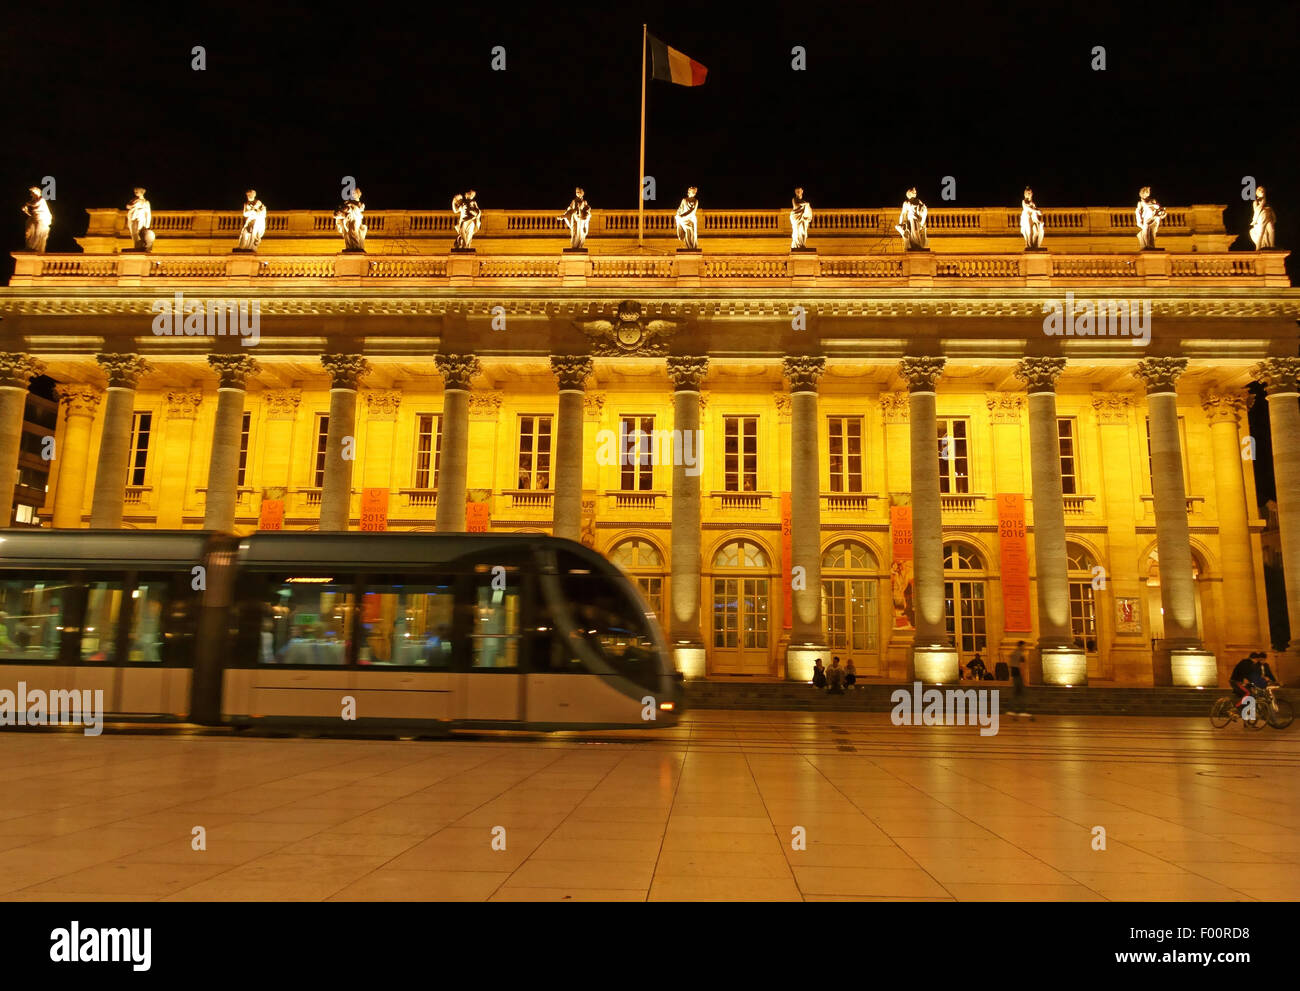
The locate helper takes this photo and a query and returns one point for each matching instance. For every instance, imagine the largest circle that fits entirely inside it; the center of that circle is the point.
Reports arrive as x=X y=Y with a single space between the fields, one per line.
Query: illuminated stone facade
x=778 y=394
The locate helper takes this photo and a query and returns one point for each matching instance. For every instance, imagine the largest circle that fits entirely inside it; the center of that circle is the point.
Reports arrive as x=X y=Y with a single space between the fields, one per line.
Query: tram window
x=497 y=600
x=614 y=623
x=408 y=625
x=99 y=630
x=145 y=641
x=307 y=620
x=31 y=617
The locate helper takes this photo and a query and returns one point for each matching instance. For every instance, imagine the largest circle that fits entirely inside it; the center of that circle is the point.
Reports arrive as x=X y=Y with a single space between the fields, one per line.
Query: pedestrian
x=1017 y=678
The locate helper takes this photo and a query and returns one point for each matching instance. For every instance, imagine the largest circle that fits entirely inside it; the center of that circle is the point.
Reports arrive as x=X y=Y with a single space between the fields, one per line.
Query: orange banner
x=1016 y=612
x=271 y=516
x=476 y=517
x=787 y=563
x=374 y=510
x=900 y=528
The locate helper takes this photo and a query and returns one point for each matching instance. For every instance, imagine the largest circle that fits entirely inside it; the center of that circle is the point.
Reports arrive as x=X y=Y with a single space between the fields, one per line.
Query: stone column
x=571 y=371
x=807 y=631
x=227 y=430
x=1282 y=377
x=79 y=404
x=933 y=657
x=1062 y=663
x=123 y=371
x=175 y=443
x=1173 y=537
x=16 y=373
x=687 y=374
x=457 y=370
x=345 y=371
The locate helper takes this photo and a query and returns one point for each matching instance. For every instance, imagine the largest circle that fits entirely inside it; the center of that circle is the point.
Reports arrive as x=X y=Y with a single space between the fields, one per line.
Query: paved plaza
x=705 y=810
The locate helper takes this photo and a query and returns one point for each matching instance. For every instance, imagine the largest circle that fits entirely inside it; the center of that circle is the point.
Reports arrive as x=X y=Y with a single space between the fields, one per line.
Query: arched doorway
x=1081 y=566
x=965 y=593
x=1155 y=608
x=850 y=577
x=741 y=629
x=643 y=562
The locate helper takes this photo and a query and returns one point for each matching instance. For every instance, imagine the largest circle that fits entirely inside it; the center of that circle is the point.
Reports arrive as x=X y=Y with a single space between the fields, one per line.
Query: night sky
x=294 y=97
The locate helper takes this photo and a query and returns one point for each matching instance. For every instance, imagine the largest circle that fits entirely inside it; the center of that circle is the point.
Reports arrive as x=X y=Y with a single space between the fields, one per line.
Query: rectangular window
x=635 y=437
x=740 y=465
x=1069 y=459
x=408 y=625
x=141 y=427
x=34 y=616
x=244 y=429
x=322 y=444
x=428 y=450
x=495 y=639
x=845 y=434
x=1083 y=615
x=306 y=620
x=535 y=452
x=954 y=455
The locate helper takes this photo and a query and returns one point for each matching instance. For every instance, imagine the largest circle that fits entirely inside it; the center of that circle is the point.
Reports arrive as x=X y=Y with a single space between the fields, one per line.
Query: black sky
x=294 y=97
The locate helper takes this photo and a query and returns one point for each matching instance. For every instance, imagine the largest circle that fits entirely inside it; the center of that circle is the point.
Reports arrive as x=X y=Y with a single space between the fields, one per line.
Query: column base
x=1193 y=668
x=1064 y=666
x=689 y=659
x=799 y=660
x=935 y=665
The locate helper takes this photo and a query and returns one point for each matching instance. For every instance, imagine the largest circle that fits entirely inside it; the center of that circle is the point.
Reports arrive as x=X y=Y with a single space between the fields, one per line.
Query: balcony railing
x=960 y=502
x=929 y=269
x=534 y=499
x=741 y=502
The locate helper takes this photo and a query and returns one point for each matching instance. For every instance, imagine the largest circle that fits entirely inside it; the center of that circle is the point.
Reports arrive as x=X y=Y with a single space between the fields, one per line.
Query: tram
x=412 y=631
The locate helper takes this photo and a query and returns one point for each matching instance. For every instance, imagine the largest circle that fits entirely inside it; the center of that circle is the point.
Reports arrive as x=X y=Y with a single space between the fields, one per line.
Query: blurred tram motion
x=402 y=630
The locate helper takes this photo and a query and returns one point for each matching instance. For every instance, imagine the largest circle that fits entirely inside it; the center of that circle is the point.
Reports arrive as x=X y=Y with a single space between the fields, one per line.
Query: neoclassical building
x=905 y=458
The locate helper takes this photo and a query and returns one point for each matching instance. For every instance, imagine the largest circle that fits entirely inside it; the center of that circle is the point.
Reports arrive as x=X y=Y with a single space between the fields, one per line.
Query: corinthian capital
x=1221 y=406
x=687 y=373
x=921 y=373
x=1279 y=374
x=1005 y=407
x=345 y=370
x=457 y=369
x=79 y=400
x=383 y=404
x=571 y=370
x=894 y=407
x=232 y=369
x=123 y=370
x=1040 y=374
x=1112 y=407
x=17 y=370
x=1160 y=374
x=803 y=373
x=184 y=405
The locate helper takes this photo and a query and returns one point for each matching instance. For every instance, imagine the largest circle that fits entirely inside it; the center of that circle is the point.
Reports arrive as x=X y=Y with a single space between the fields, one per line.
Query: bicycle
x=1225 y=710
x=1280 y=712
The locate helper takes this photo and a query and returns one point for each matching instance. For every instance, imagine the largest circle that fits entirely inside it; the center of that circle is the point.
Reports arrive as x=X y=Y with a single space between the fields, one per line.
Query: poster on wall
x=477 y=517
x=1127 y=617
x=1014 y=547
x=787 y=560
x=374 y=510
x=271 y=515
x=900 y=570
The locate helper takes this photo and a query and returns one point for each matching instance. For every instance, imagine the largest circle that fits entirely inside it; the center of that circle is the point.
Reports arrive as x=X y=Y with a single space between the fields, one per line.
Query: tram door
x=495 y=683
x=741 y=594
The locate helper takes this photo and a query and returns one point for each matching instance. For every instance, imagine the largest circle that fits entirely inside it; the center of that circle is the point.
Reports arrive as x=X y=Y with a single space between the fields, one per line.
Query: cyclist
x=1242 y=677
x=1263 y=676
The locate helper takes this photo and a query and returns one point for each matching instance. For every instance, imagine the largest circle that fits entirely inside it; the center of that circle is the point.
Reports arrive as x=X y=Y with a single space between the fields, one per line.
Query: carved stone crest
x=628 y=333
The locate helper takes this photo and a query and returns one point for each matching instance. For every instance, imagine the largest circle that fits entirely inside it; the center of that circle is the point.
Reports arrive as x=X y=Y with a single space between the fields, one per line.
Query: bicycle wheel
x=1280 y=714
x=1262 y=714
x=1221 y=713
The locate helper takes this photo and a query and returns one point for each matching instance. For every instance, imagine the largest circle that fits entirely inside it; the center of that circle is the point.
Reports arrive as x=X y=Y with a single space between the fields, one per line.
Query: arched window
x=1083 y=575
x=643 y=562
x=965 y=598
x=849 y=602
x=741 y=618
x=740 y=554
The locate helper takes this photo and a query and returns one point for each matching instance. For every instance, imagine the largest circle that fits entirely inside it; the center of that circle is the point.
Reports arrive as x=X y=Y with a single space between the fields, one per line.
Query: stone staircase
x=1099 y=701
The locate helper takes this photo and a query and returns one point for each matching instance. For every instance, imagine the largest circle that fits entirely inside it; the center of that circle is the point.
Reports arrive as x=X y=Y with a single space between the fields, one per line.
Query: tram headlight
x=667 y=706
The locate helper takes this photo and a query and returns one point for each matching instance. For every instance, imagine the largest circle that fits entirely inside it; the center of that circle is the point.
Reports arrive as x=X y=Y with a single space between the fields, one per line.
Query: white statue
x=350 y=220
x=1148 y=215
x=577 y=217
x=1031 y=222
x=911 y=223
x=254 y=222
x=688 y=220
x=39 y=219
x=469 y=218
x=139 y=221
x=800 y=221
x=1262 y=222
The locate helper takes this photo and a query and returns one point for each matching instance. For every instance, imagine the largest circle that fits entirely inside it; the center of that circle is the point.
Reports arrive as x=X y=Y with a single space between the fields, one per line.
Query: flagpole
x=640 y=179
